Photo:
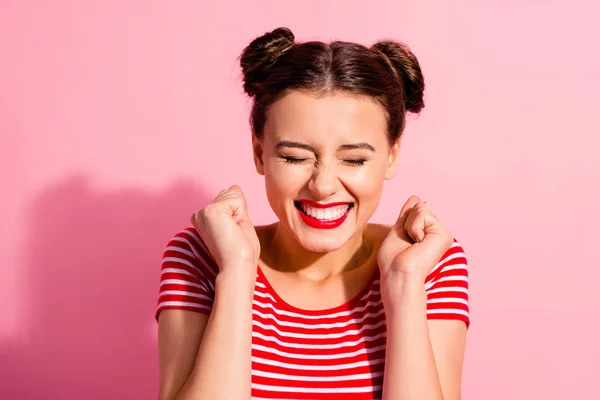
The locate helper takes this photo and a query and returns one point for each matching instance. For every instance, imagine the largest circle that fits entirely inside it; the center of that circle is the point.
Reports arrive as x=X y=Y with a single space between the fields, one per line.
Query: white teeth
x=325 y=214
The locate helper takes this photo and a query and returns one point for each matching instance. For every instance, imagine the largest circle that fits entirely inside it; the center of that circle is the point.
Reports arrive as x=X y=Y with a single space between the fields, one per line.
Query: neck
x=284 y=253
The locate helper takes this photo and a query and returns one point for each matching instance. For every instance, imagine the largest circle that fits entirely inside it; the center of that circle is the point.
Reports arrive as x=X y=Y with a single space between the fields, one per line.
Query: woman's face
x=325 y=160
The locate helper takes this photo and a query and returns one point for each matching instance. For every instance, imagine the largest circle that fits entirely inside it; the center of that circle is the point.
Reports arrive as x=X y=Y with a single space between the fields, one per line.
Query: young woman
x=321 y=304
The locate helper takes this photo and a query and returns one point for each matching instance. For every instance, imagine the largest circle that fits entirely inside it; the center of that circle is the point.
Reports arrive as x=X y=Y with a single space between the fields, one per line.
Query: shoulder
x=452 y=269
x=186 y=246
x=187 y=274
x=187 y=239
x=455 y=254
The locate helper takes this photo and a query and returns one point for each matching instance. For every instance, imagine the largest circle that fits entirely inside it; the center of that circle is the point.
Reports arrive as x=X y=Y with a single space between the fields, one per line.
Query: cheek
x=283 y=181
x=366 y=183
x=369 y=192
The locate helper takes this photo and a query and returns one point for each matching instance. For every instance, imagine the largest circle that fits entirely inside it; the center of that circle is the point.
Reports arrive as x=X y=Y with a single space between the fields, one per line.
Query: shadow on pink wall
x=91 y=263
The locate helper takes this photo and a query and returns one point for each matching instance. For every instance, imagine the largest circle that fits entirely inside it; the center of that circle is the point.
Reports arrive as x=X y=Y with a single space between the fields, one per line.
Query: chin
x=323 y=240
x=321 y=236
x=321 y=245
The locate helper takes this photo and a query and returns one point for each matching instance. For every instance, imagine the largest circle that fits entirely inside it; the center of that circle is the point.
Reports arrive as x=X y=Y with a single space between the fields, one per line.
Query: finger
x=418 y=222
x=220 y=194
x=406 y=208
x=236 y=189
x=413 y=225
x=428 y=206
x=240 y=209
x=230 y=201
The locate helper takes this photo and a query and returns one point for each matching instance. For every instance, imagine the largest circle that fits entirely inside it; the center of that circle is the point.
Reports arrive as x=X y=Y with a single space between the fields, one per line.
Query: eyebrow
x=297 y=145
x=352 y=146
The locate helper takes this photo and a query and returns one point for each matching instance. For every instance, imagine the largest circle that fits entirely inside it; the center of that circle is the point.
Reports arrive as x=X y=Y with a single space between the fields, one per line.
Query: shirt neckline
x=342 y=307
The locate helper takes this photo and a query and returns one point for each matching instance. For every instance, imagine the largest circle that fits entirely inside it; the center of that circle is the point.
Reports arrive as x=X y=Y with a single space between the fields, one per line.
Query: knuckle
x=195 y=219
x=209 y=208
x=196 y=215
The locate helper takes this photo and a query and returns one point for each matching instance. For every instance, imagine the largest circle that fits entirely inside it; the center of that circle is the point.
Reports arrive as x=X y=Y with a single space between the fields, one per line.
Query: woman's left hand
x=416 y=243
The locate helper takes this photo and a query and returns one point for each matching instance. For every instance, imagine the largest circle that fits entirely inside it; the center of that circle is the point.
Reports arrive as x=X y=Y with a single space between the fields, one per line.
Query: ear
x=393 y=159
x=257 y=149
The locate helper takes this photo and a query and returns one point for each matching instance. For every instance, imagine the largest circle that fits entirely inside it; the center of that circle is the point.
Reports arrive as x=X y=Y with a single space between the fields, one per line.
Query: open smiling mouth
x=321 y=216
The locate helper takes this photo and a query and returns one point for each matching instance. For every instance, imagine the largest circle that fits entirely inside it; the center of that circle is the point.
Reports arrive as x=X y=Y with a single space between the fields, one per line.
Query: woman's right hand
x=225 y=228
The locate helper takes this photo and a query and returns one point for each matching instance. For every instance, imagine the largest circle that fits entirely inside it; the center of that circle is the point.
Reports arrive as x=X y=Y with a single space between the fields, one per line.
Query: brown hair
x=274 y=64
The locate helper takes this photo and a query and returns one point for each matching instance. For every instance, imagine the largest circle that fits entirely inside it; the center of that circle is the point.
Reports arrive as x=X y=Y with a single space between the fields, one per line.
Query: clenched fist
x=226 y=229
x=416 y=243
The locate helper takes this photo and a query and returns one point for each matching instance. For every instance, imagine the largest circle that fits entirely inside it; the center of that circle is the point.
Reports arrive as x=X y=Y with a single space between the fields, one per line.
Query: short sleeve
x=187 y=274
x=447 y=287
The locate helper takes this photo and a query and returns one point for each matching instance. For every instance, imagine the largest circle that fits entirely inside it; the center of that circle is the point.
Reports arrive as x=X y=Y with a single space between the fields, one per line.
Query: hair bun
x=261 y=54
x=405 y=67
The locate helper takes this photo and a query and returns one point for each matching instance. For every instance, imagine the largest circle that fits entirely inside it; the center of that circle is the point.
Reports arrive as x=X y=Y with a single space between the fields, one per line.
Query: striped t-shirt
x=337 y=353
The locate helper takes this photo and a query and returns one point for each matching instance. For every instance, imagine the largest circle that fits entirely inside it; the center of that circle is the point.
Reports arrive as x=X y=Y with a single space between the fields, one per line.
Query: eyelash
x=354 y=163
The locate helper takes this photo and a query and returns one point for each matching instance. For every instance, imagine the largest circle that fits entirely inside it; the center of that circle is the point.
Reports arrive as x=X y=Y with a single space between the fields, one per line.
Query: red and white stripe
x=299 y=354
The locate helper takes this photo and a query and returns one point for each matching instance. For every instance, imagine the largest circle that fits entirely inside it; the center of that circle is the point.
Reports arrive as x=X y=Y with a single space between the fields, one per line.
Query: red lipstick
x=319 y=205
x=319 y=224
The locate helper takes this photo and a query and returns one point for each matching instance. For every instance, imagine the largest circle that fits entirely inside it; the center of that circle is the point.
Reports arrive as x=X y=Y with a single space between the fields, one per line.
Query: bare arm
x=213 y=359
x=423 y=358
x=179 y=336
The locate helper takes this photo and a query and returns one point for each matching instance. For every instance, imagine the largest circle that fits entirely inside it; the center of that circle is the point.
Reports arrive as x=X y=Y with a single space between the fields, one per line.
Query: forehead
x=331 y=117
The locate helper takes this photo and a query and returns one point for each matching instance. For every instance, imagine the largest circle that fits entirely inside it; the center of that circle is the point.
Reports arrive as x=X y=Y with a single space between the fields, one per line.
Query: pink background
x=118 y=119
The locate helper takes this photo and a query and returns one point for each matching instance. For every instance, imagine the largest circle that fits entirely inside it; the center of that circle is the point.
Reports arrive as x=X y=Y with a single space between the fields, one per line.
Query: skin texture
x=308 y=151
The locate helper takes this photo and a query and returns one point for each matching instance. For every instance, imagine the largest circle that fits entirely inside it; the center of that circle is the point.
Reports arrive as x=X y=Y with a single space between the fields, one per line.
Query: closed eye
x=357 y=162
x=352 y=162
x=293 y=160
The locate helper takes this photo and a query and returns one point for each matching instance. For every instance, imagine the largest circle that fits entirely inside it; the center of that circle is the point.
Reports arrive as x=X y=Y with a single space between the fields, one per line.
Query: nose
x=324 y=182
